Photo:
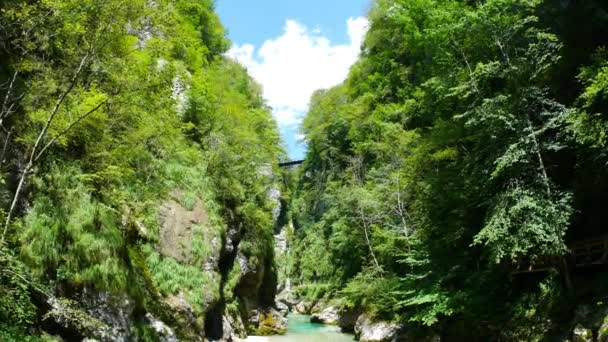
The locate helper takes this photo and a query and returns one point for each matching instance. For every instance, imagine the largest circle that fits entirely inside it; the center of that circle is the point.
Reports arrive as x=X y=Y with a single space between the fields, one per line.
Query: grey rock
x=280 y=242
x=163 y=331
x=303 y=307
x=233 y=328
x=179 y=90
x=368 y=330
x=283 y=308
x=286 y=296
x=267 y=322
x=92 y=315
x=252 y=277
x=329 y=315
x=184 y=315
x=115 y=312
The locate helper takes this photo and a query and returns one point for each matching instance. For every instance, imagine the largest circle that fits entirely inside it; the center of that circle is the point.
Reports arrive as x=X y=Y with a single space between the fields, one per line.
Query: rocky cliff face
x=227 y=308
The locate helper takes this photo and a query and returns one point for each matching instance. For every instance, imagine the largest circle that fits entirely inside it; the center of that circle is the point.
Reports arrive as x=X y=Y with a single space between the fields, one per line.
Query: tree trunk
x=41 y=135
x=539 y=156
x=369 y=244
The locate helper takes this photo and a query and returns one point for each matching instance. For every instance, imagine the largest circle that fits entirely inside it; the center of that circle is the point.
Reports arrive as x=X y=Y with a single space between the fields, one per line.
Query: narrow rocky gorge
x=453 y=186
x=103 y=316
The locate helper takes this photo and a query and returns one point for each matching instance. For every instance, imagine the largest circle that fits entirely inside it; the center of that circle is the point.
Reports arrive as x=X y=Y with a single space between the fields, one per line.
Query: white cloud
x=287 y=116
x=292 y=66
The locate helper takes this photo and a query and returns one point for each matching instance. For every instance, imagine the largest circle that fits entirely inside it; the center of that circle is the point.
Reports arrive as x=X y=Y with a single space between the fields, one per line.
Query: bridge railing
x=580 y=254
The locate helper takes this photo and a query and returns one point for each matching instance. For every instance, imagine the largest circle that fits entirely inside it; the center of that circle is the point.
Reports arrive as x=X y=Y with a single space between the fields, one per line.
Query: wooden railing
x=580 y=254
x=587 y=253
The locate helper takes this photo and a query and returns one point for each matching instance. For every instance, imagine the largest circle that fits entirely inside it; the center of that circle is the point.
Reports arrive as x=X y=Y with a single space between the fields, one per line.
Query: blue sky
x=293 y=47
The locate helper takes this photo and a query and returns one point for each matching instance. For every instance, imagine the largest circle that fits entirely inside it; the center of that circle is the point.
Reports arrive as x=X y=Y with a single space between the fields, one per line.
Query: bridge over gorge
x=292 y=164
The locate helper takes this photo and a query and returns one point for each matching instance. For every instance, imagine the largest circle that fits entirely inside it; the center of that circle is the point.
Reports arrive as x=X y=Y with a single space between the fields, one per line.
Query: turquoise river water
x=299 y=329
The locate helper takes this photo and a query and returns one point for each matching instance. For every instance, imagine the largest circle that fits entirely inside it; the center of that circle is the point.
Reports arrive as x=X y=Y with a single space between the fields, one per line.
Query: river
x=299 y=329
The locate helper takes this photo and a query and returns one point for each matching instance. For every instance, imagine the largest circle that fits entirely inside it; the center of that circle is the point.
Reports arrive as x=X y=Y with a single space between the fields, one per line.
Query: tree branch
x=32 y=158
x=70 y=126
x=8 y=136
x=5 y=111
x=369 y=245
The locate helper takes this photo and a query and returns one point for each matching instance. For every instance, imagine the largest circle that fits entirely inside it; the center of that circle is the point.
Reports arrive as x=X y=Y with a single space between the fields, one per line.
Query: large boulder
x=369 y=330
x=267 y=322
x=329 y=315
x=286 y=295
x=283 y=308
x=303 y=307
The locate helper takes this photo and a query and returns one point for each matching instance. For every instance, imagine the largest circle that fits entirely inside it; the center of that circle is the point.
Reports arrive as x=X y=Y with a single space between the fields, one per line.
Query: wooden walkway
x=580 y=254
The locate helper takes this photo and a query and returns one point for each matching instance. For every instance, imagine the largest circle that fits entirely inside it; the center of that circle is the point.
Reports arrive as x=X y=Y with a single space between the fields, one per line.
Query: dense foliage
x=470 y=136
x=109 y=109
